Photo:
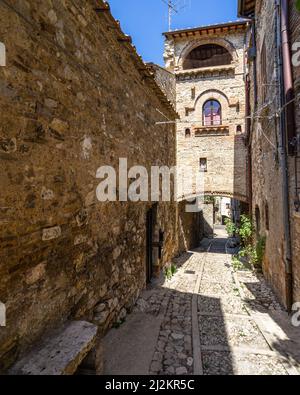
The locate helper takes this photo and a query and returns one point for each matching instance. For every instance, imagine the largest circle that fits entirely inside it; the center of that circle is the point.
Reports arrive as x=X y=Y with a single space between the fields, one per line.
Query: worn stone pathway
x=207 y=320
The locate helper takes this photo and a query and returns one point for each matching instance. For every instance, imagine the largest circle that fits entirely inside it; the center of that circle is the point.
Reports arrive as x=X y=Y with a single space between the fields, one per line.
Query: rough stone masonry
x=221 y=146
x=74 y=96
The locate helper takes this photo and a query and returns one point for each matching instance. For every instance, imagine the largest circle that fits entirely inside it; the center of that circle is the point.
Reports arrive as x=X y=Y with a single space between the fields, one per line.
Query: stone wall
x=295 y=38
x=74 y=96
x=267 y=172
x=166 y=80
x=208 y=220
x=296 y=255
x=190 y=228
x=223 y=147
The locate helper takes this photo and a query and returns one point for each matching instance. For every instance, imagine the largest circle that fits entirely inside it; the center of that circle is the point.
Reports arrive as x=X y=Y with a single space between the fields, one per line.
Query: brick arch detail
x=218 y=41
x=212 y=94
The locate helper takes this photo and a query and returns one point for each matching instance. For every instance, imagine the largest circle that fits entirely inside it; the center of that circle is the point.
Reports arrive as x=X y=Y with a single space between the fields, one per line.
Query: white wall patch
x=2 y=55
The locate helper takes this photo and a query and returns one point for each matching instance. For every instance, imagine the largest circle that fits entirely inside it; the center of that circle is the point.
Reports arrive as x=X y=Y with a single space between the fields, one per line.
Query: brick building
x=273 y=137
x=74 y=96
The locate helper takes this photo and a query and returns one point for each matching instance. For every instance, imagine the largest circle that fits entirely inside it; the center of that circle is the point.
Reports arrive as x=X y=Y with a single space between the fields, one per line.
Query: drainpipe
x=285 y=88
x=249 y=144
x=248 y=120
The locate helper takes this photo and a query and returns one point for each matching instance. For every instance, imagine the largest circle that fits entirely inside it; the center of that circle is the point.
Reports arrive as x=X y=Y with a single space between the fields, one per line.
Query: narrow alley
x=150 y=188
x=207 y=320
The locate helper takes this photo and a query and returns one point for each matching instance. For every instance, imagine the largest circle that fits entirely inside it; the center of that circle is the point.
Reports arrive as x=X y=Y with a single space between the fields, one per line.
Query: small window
x=193 y=93
x=187 y=133
x=203 y=165
x=239 y=129
x=212 y=113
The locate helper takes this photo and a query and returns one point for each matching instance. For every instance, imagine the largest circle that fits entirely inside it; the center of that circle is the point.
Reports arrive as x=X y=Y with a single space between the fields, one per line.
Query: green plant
x=231 y=228
x=254 y=255
x=298 y=5
x=209 y=200
x=246 y=230
x=260 y=249
x=236 y=263
x=173 y=269
x=170 y=271
x=118 y=324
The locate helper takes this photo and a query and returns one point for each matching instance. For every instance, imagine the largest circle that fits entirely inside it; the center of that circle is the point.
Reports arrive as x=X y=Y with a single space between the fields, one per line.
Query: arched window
x=212 y=113
x=208 y=55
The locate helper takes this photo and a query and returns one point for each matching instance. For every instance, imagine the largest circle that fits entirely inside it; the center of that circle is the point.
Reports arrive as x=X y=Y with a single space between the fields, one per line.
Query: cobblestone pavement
x=218 y=322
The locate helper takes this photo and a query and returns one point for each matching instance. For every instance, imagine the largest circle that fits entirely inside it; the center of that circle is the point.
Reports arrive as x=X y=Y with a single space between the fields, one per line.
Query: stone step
x=61 y=353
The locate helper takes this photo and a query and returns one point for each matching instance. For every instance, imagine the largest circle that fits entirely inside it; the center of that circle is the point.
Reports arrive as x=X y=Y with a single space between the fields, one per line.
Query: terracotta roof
x=246 y=8
x=208 y=29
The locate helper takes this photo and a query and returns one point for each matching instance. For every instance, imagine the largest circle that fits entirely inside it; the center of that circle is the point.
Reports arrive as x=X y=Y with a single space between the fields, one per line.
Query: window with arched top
x=212 y=113
x=207 y=55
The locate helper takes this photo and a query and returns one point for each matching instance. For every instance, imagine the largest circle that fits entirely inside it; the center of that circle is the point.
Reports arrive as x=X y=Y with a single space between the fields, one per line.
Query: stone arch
x=197 y=43
x=212 y=94
x=2 y=54
x=226 y=194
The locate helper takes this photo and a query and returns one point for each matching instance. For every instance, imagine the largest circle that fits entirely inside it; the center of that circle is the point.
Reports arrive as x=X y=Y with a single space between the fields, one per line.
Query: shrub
x=231 y=229
x=246 y=230
x=170 y=271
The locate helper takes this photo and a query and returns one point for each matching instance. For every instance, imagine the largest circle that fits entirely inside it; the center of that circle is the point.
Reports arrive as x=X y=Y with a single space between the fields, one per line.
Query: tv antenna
x=174 y=6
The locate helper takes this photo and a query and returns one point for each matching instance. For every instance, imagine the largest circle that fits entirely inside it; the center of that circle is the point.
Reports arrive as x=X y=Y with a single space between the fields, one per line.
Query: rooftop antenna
x=174 y=6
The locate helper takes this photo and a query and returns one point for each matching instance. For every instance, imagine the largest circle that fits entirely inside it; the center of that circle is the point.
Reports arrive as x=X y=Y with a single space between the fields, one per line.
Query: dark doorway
x=151 y=222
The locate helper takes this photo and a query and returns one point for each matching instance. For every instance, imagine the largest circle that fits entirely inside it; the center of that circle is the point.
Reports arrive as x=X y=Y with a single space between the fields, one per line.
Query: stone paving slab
x=218 y=289
x=221 y=305
x=226 y=363
x=230 y=331
x=204 y=320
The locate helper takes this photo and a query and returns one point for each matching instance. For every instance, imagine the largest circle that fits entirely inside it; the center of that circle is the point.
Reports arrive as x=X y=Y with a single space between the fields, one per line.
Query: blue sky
x=145 y=20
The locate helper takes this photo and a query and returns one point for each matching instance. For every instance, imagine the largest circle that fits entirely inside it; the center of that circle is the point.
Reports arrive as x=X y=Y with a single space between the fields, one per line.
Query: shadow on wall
x=190 y=230
x=193 y=227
